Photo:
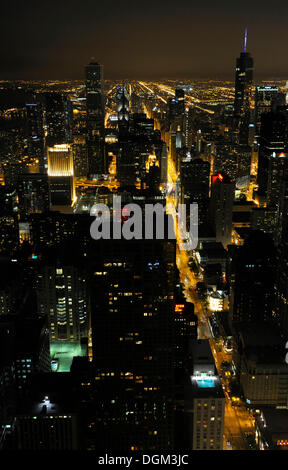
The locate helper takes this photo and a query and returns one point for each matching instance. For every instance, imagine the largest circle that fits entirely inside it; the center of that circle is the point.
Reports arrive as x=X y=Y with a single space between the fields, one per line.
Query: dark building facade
x=132 y=318
x=253 y=291
x=243 y=96
x=95 y=117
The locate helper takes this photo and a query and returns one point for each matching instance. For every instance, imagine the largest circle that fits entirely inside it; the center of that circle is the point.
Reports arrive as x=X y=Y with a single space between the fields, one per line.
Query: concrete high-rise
x=204 y=401
x=252 y=286
x=33 y=193
x=62 y=296
x=265 y=97
x=132 y=318
x=195 y=177
x=35 y=134
x=221 y=207
x=95 y=109
x=273 y=141
x=57 y=119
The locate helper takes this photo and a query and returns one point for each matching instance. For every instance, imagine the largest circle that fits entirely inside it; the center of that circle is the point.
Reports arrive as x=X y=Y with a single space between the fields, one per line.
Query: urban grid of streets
x=238 y=420
x=203 y=96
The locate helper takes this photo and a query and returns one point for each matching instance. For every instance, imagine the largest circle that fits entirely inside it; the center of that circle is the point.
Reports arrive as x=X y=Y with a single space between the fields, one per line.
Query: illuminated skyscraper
x=61 y=175
x=95 y=109
x=60 y=160
x=62 y=297
x=123 y=108
x=243 y=95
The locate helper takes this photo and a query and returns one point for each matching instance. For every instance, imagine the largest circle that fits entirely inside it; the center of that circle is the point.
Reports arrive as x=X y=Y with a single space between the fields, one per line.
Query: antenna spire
x=245 y=40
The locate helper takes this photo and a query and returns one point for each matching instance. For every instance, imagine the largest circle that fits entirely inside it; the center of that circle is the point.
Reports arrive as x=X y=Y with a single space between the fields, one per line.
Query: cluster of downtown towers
x=118 y=305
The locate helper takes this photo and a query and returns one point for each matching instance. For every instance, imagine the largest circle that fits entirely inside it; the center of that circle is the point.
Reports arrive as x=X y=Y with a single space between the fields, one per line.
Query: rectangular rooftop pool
x=205 y=383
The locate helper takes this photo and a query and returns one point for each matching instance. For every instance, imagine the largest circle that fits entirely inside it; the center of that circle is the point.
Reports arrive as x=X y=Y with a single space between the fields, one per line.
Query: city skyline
x=143 y=230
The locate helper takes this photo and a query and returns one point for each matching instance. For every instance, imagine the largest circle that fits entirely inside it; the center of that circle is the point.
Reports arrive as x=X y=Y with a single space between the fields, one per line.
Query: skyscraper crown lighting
x=60 y=160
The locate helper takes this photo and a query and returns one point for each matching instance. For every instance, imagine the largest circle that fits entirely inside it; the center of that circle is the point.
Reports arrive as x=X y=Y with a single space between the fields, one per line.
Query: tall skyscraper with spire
x=122 y=108
x=243 y=95
x=95 y=109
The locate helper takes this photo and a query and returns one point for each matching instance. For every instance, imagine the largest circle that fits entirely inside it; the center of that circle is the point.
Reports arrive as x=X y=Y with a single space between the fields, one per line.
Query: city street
x=238 y=419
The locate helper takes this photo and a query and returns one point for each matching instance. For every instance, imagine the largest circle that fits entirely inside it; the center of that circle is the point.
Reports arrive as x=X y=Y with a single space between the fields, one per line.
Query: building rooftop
x=273 y=426
x=207 y=388
x=203 y=377
x=259 y=335
x=276 y=420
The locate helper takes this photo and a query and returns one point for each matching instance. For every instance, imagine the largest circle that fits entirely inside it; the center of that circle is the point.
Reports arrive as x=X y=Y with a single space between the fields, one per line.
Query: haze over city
x=141 y=40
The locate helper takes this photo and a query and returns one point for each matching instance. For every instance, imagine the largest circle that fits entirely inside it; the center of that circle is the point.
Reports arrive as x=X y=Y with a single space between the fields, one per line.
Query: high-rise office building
x=9 y=234
x=281 y=284
x=204 y=400
x=123 y=109
x=95 y=109
x=273 y=141
x=176 y=126
x=252 y=295
x=60 y=160
x=225 y=159
x=46 y=418
x=243 y=95
x=62 y=296
x=55 y=227
x=195 y=176
x=7 y=374
x=32 y=353
x=185 y=327
x=61 y=175
x=132 y=317
x=39 y=429
x=271 y=431
x=35 y=134
x=11 y=290
x=221 y=207
x=277 y=174
x=260 y=364
x=33 y=193
x=9 y=223
x=265 y=98
x=176 y=107
x=26 y=343
x=80 y=156
x=57 y=119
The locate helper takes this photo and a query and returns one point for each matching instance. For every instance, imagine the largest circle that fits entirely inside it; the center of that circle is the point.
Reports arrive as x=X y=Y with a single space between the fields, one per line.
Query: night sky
x=133 y=39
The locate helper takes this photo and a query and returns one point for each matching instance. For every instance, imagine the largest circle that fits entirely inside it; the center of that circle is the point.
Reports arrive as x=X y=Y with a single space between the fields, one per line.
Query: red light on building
x=179 y=308
x=217 y=177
